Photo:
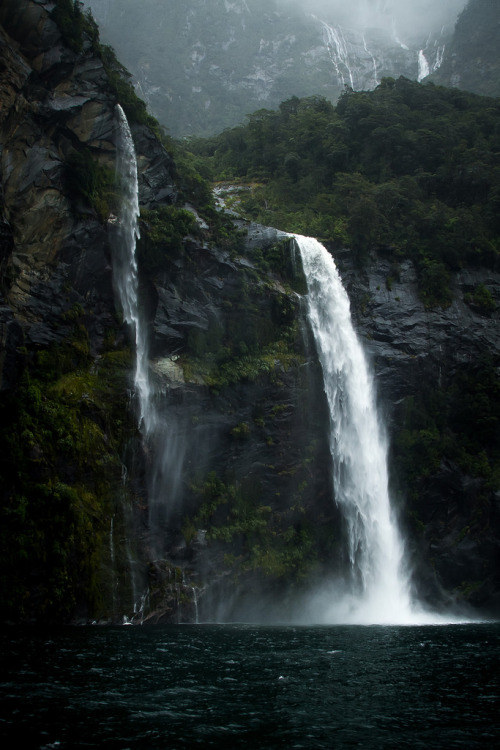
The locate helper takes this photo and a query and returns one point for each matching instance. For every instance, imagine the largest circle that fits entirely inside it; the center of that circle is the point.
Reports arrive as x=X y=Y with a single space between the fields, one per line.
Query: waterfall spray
x=378 y=585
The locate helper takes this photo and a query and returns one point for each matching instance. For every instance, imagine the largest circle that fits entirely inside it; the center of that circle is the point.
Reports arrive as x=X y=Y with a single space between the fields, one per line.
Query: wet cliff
x=97 y=524
x=65 y=358
x=231 y=514
x=438 y=379
x=471 y=61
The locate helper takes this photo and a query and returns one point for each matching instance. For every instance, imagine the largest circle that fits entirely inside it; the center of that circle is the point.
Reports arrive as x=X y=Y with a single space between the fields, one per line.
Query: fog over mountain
x=203 y=66
x=410 y=17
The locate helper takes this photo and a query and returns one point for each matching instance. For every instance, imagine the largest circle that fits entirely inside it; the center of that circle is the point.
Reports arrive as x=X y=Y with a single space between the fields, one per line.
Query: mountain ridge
x=203 y=68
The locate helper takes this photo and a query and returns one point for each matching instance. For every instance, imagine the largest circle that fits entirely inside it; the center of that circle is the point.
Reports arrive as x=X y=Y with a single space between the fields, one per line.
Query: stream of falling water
x=125 y=266
x=339 y=53
x=378 y=590
x=162 y=444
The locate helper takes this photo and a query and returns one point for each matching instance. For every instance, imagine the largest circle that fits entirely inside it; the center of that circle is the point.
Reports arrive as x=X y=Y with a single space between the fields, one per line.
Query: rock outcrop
x=55 y=103
x=472 y=61
x=419 y=356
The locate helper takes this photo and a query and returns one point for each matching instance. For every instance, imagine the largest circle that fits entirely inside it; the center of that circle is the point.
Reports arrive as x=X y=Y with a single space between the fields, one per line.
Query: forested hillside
x=412 y=170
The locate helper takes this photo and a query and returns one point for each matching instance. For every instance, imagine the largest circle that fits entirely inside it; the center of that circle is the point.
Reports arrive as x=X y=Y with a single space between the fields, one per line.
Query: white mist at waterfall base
x=378 y=587
x=125 y=265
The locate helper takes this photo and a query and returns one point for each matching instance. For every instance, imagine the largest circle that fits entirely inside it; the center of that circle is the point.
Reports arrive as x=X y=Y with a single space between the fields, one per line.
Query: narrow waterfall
x=164 y=448
x=396 y=37
x=126 y=287
x=378 y=589
x=339 y=53
x=423 y=66
x=125 y=265
x=374 y=61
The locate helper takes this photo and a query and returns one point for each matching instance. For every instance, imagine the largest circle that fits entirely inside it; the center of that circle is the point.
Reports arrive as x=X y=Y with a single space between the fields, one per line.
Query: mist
x=409 y=17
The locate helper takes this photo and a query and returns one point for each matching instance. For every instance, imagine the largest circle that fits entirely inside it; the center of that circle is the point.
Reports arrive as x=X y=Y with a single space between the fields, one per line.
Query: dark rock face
x=56 y=102
x=242 y=459
x=450 y=517
x=472 y=59
x=58 y=307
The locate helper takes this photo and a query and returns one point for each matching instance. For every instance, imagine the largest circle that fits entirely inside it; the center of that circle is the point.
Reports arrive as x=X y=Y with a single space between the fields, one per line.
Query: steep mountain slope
x=202 y=67
x=82 y=535
x=64 y=361
x=472 y=60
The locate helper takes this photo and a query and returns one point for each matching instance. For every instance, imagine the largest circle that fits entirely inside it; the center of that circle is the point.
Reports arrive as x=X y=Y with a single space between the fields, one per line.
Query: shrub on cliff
x=73 y=23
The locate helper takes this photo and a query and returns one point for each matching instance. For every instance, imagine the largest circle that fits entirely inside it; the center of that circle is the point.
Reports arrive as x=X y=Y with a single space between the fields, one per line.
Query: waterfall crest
x=125 y=264
x=378 y=589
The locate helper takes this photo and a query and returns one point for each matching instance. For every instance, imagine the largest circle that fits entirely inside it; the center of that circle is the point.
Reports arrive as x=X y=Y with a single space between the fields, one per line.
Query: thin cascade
x=396 y=37
x=165 y=448
x=114 y=582
x=378 y=587
x=126 y=284
x=374 y=61
x=439 y=57
x=437 y=51
x=423 y=66
x=194 y=589
x=339 y=54
x=125 y=273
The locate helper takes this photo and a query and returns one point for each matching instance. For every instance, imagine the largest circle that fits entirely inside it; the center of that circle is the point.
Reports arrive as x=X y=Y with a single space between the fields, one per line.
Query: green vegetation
x=257 y=338
x=162 y=233
x=410 y=170
x=481 y=300
x=459 y=422
x=74 y=24
x=254 y=537
x=120 y=83
x=91 y=182
x=61 y=430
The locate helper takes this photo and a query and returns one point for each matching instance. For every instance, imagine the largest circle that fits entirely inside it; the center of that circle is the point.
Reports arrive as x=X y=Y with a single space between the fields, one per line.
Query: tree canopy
x=408 y=169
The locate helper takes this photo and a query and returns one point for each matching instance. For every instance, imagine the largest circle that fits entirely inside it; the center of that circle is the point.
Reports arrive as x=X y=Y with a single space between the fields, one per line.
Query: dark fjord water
x=225 y=686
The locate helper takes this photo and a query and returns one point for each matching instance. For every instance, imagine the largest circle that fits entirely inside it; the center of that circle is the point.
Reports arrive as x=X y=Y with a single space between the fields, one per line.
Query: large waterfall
x=378 y=587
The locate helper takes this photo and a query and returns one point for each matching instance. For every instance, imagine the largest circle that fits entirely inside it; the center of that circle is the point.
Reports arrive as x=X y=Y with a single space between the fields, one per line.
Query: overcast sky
x=409 y=16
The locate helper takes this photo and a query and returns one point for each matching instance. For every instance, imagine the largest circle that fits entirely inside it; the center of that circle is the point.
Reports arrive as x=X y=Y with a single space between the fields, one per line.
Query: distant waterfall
x=339 y=53
x=423 y=66
x=374 y=62
x=378 y=589
x=125 y=264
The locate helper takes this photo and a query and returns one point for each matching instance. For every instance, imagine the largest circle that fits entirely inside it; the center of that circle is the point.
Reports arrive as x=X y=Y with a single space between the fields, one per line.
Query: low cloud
x=409 y=17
